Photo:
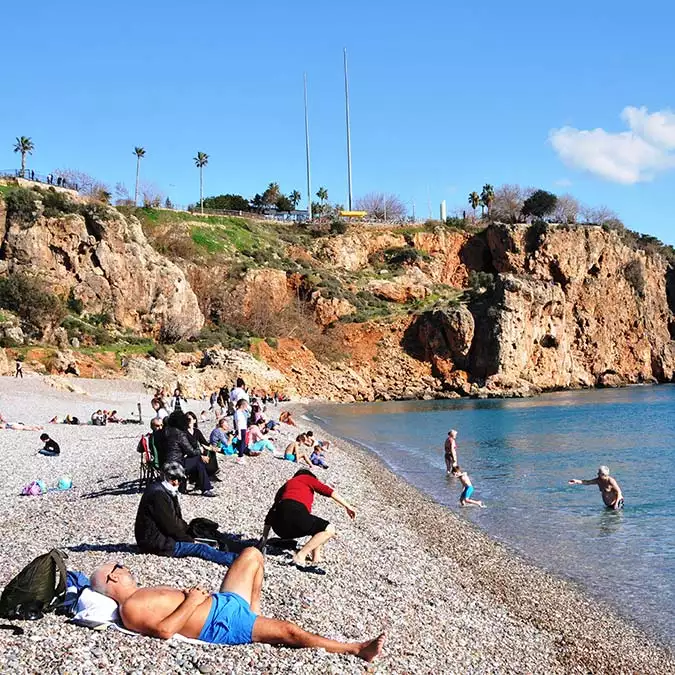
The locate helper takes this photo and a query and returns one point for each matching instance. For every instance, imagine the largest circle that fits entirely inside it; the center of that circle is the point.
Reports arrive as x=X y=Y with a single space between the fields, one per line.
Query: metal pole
x=309 y=175
x=349 y=140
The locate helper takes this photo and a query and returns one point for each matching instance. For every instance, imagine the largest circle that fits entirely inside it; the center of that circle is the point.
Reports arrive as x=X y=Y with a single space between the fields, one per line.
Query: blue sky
x=571 y=97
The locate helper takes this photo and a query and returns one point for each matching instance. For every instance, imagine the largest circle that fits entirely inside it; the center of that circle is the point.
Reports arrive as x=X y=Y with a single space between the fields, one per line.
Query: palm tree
x=139 y=152
x=201 y=160
x=487 y=196
x=322 y=194
x=474 y=201
x=295 y=197
x=25 y=146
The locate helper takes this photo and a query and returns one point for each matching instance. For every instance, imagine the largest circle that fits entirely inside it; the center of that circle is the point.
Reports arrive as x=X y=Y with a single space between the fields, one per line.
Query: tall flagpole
x=349 y=139
x=309 y=175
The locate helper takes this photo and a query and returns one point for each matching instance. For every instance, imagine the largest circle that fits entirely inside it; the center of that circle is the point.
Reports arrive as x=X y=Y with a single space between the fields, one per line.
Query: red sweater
x=302 y=488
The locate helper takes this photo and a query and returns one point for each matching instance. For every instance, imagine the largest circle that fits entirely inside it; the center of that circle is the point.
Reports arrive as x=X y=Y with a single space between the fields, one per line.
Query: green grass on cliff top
x=224 y=234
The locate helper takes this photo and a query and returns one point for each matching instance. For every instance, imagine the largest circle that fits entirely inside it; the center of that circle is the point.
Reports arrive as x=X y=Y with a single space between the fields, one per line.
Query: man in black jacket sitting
x=160 y=527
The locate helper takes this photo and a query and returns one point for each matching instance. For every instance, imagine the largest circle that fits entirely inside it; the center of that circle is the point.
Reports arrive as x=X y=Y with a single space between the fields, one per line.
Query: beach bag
x=36 y=589
x=32 y=489
x=206 y=531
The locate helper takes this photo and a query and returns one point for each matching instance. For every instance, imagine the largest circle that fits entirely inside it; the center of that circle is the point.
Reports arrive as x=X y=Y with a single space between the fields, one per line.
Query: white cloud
x=626 y=157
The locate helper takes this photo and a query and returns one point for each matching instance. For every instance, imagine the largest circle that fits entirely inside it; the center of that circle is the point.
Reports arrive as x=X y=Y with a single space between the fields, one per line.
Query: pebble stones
x=450 y=599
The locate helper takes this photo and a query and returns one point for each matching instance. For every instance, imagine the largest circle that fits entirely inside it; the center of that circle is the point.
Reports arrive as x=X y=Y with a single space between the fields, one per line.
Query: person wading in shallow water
x=451 y=451
x=230 y=617
x=609 y=488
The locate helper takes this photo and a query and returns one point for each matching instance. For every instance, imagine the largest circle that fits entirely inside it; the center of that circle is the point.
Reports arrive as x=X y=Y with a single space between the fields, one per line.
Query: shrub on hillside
x=57 y=203
x=634 y=274
x=481 y=280
x=338 y=227
x=38 y=309
x=22 y=205
x=399 y=256
x=74 y=304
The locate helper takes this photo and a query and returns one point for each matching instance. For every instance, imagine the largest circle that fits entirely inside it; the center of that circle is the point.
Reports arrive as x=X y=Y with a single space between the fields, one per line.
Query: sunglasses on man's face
x=116 y=566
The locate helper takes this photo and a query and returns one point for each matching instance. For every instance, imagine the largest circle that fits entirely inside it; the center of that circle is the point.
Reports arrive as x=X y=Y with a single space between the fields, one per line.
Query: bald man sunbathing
x=229 y=617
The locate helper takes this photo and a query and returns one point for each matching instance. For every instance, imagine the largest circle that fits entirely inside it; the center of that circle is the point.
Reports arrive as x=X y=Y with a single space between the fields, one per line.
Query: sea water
x=520 y=454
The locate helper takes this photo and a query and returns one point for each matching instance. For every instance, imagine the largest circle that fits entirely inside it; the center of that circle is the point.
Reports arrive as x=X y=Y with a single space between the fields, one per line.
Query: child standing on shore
x=465 y=497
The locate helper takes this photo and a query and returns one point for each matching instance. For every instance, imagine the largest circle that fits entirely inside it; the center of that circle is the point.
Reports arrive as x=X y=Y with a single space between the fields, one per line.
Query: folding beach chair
x=149 y=468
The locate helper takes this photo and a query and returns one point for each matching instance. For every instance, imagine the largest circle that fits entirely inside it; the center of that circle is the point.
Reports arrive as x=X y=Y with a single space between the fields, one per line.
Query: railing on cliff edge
x=34 y=177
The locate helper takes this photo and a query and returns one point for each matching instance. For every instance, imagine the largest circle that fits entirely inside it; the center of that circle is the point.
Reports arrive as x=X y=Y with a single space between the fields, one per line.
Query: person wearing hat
x=160 y=528
x=609 y=488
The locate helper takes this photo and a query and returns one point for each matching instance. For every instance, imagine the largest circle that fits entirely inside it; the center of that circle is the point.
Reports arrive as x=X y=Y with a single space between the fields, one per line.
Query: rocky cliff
x=567 y=307
x=103 y=259
x=369 y=314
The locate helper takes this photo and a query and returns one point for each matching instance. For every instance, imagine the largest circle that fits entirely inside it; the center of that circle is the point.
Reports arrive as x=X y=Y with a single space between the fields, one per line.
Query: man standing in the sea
x=451 y=451
x=609 y=488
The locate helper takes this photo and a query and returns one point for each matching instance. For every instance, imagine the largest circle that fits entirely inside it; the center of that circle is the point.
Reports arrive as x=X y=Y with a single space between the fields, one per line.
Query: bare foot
x=369 y=651
x=299 y=561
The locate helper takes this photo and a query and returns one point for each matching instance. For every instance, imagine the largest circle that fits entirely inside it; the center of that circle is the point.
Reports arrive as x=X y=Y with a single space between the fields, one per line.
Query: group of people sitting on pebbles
x=231 y=616
x=99 y=418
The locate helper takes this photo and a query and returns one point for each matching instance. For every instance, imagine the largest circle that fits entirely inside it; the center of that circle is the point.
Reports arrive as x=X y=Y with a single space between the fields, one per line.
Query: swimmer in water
x=465 y=497
x=609 y=488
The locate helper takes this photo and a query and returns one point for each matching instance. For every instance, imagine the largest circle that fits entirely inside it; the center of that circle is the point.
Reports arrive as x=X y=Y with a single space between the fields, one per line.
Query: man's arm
x=576 y=481
x=617 y=490
x=136 y=617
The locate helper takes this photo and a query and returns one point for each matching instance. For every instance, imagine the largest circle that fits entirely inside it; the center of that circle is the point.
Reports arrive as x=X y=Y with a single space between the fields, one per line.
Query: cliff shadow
x=484 y=353
x=476 y=254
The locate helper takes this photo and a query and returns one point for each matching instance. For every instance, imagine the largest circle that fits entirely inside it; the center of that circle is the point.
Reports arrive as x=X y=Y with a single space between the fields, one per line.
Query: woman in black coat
x=178 y=448
x=201 y=444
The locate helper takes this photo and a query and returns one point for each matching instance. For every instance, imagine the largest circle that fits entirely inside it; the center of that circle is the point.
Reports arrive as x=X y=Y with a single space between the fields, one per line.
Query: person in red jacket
x=291 y=517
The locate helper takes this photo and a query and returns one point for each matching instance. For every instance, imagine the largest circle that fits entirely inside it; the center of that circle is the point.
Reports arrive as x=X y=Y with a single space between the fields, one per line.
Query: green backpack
x=36 y=589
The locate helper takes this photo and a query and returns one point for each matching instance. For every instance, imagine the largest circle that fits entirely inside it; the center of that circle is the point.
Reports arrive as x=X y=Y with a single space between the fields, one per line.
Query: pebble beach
x=450 y=599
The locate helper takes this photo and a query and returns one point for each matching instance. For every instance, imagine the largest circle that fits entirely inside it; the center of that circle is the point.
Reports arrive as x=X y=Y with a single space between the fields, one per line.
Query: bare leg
x=317 y=554
x=275 y=632
x=245 y=577
x=317 y=540
x=472 y=502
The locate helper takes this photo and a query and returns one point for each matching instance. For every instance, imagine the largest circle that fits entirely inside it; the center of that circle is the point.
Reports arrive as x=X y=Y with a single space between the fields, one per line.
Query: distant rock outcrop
x=103 y=259
x=572 y=306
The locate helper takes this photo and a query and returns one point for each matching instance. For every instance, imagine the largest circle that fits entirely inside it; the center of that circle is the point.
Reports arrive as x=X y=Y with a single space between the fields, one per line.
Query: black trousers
x=196 y=469
x=243 y=450
x=212 y=466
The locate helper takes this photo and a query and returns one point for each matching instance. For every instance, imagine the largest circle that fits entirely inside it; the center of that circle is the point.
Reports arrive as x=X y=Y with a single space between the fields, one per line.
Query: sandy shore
x=450 y=599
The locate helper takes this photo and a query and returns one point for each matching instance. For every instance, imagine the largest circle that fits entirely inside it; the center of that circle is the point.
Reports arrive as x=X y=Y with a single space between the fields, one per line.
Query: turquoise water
x=520 y=454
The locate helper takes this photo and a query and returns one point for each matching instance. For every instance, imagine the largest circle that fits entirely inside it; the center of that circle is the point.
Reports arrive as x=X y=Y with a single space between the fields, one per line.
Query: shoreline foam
x=450 y=598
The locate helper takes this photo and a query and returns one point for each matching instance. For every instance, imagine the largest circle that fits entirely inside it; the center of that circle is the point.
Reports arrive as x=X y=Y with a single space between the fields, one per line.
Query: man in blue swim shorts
x=229 y=617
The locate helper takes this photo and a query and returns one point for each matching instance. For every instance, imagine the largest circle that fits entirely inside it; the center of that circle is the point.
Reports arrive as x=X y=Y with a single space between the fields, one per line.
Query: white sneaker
x=241 y=460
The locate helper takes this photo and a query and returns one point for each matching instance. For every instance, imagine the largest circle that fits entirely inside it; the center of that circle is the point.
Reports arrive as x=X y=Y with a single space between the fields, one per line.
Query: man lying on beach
x=609 y=488
x=230 y=617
